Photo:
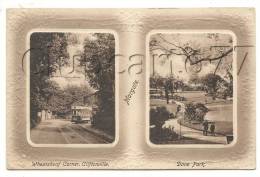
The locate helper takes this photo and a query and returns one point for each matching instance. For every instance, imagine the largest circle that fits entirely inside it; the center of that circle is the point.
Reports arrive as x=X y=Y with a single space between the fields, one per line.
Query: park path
x=192 y=133
x=184 y=131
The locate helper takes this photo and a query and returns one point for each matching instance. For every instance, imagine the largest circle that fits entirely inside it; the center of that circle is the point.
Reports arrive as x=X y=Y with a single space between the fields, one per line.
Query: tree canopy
x=48 y=53
x=98 y=58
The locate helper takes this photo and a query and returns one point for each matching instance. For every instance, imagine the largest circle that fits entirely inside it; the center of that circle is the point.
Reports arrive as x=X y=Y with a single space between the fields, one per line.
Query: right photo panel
x=192 y=88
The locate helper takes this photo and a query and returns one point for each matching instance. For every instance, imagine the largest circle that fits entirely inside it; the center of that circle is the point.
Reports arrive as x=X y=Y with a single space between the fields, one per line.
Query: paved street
x=57 y=131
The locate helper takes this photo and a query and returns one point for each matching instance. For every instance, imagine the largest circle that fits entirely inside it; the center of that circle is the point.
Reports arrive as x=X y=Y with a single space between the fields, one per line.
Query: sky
x=162 y=65
x=77 y=77
x=196 y=40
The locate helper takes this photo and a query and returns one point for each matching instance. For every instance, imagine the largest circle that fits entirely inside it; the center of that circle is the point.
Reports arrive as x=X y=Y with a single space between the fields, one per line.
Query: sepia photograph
x=191 y=88
x=72 y=88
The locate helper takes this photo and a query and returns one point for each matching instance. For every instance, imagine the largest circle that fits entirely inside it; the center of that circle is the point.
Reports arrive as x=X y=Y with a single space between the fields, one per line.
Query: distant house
x=45 y=115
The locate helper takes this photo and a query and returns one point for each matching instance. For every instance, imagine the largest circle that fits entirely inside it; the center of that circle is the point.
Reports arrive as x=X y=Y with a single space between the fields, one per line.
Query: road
x=56 y=131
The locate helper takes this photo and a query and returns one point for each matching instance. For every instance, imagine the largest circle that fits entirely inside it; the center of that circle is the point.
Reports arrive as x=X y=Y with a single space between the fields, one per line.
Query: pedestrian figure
x=212 y=129
x=178 y=109
x=205 y=127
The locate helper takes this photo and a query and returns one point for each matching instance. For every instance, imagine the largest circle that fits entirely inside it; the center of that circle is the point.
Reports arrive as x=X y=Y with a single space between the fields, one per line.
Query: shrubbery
x=162 y=135
x=158 y=135
x=158 y=116
x=195 y=112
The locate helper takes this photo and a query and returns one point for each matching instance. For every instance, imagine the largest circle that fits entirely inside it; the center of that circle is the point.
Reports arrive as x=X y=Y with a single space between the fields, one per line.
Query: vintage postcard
x=131 y=88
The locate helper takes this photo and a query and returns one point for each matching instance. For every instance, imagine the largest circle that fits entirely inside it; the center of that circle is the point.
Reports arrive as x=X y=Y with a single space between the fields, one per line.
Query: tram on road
x=81 y=114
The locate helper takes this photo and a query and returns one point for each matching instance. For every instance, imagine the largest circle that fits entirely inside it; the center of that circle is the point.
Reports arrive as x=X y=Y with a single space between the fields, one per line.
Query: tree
x=62 y=101
x=98 y=59
x=48 y=53
x=194 y=54
x=229 y=77
x=158 y=134
x=168 y=84
x=194 y=79
x=195 y=111
x=156 y=81
x=158 y=116
x=212 y=83
x=167 y=87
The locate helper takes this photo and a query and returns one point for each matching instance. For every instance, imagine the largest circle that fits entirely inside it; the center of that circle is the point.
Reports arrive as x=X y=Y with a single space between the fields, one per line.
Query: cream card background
x=132 y=26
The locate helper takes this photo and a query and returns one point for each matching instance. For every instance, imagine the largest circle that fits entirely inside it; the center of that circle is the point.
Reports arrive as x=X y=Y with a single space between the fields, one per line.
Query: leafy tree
x=168 y=84
x=195 y=111
x=158 y=116
x=210 y=81
x=158 y=135
x=178 y=84
x=98 y=59
x=194 y=79
x=48 y=53
x=156 y=81
x=229 y=76
x=62 y=101
x=194 y=54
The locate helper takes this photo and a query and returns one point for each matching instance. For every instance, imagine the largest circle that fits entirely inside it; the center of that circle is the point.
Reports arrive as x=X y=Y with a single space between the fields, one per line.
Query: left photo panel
x=72 y=88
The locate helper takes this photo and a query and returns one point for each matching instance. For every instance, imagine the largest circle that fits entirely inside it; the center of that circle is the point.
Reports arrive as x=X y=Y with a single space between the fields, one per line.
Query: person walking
x=205 y=127
x=212 y=129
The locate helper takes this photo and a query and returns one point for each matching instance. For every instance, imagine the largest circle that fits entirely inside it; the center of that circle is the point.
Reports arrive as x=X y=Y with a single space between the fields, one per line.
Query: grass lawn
x=192 y=96
x=200 y=97
x=171 y=107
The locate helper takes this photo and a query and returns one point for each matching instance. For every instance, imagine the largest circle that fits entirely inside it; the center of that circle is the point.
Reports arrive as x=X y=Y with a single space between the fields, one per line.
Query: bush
x=158 y=116
x=178 y=98
x=172 y=116
x=195 y=111
x=162 y=135
x=104 y=119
